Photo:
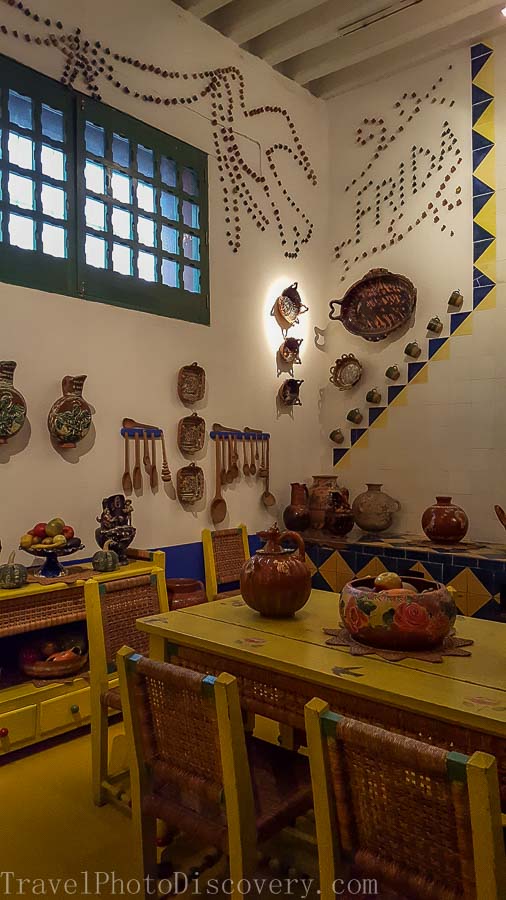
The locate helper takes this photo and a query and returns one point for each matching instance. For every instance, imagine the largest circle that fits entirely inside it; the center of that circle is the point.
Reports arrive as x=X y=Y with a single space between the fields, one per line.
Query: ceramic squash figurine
x=12 y=403
x=105 y=560
x=12 y=575
x=69 y=419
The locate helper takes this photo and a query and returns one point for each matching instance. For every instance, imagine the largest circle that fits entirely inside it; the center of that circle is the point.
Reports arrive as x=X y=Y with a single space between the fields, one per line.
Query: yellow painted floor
x=50 y=828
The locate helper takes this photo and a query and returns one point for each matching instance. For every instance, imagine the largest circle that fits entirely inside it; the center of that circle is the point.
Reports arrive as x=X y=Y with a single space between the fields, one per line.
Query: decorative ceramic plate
x=190 y=484
x=191 y=432
x=376 y=306
x=191 y=383
x=346 y=372
x=288 y=307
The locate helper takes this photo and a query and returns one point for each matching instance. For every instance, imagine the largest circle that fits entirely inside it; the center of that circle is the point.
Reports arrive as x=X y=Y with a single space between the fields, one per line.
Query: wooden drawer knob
x=4 y=732
x=74 y=709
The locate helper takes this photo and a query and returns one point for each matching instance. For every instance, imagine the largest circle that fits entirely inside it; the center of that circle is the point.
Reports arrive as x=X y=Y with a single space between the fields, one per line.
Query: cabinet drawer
x=20 y=725
x=72 y=709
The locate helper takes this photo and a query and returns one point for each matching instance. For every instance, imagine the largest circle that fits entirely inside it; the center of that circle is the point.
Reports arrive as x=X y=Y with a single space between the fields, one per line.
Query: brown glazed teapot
x=276 y=581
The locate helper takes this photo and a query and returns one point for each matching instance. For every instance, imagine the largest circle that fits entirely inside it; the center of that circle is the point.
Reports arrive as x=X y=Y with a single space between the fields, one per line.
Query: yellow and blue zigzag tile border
x=484 y=242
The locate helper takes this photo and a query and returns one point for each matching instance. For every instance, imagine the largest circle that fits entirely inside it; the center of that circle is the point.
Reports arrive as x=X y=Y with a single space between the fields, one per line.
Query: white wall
x=132 y=359
x=450 y=436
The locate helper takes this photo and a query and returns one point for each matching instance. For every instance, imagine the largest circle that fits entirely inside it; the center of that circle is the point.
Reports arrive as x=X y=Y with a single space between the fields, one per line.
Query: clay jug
x=12 y=403
x=69 y=419
x=296 y=514
x=319 y=496
x=374 y=510
x=276 y=581
x=338 y=518
x=183 y=592
x=444 y=522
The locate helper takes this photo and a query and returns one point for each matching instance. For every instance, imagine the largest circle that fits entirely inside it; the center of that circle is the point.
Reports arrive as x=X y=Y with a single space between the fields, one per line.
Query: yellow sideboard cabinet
x=31 y=710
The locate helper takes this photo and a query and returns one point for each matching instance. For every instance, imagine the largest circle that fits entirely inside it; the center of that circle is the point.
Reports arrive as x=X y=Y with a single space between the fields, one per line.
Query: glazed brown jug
x=445 y=522
x=276 y=581
x=296 y=514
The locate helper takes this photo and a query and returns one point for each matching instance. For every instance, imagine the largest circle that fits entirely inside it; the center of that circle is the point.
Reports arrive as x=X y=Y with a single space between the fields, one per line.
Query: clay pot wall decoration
x=191 y=432
x=288 y=307
x=276 y=581
x=337 y=436
x=374 y=510
x=12 y=403
x=435 y=325
x=289 y=392
x=376 y=306
x=296 y=516
x=319 y=498
x=413 y=350
x=191 y=384
x=373 y=396
x=289 y=350
x=346 y=372
x=393 y=373
x=445 y=522
x=355 y=416
x=456 y=300
x=190 y=484
x=69 y=419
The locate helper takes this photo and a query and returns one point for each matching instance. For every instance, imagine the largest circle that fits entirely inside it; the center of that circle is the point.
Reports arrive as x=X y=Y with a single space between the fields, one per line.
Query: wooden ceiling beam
x=202 y=8
x=244 y=20
x=364 y=45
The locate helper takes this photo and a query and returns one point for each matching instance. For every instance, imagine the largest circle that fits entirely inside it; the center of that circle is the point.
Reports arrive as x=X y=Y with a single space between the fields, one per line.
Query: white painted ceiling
x=330 y=46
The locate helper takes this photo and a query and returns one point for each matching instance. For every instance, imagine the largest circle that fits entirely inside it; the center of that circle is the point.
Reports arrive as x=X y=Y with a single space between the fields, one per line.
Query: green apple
x=54 y=527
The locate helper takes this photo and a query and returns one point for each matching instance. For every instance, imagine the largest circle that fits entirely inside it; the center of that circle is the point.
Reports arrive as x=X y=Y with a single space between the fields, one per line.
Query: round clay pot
x=276 y=582
x=400 y=618
x=183 y=592
x=296 y=515
x=338 y=519
x=374 y=510
x=444 y=522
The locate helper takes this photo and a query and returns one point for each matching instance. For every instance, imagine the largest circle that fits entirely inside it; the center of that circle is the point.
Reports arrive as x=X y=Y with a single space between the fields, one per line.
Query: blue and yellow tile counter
x=477 y=571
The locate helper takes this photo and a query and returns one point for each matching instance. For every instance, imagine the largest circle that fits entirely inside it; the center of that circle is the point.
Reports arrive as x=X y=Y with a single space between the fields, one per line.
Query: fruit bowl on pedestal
x=52 y=568
x=394 y=614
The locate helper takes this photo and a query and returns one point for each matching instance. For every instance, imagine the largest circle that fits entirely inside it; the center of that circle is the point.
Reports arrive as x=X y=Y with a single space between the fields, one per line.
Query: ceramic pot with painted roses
x=416 y=616
x=445 y=522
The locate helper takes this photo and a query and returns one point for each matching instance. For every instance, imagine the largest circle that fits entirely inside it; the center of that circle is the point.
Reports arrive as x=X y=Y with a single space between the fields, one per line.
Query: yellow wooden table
x=459 y=703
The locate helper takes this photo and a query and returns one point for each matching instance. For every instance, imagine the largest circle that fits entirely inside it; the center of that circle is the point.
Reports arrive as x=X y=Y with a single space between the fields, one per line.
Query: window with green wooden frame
x=97 y=204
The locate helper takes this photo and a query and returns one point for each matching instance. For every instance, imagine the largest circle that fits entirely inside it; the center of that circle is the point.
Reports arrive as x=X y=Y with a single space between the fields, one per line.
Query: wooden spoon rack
x=252 y=460
x=144 y=438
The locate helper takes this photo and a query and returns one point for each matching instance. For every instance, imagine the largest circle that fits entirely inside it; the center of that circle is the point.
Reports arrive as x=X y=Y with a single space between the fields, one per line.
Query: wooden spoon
x=154 y=474
x=235 y=457
x=230 y=476
x=145 y=459
x=245 y=468
x=256 y=448
x=267 y=498
x=223 y=473
x=126 y=481
x=218 y=506
x=252 y=466
x=262 y=472
x=166 y=476
x=137 y=474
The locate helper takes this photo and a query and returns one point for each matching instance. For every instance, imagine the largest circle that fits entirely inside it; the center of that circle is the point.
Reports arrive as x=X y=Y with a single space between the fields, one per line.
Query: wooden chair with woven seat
x=422 y=821
x=192 y=765
x=225 y=553
x=112 y=608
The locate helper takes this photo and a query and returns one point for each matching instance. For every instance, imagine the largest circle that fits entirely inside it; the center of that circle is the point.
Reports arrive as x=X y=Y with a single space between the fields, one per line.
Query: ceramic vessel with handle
x=374 y=510
x=296 y=515
x=69 y=418
x=276 y=581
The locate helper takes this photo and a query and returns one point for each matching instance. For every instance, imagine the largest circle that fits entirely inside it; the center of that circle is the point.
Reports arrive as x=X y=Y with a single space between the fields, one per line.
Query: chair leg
x=99 y=752
x=145 y=856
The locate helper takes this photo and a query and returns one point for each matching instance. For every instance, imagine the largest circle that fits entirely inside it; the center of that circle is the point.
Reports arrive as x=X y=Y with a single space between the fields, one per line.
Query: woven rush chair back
x=122 y=602
x=225 y=553
x=404 y=812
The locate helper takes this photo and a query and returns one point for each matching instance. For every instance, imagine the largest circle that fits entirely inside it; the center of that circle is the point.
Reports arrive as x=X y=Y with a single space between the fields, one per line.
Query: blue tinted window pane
x=190 y=182
x=54 y=240
x=95 y=177
x=145 y=161
x=122 y=222
x=169 y=206
x=147 y=266
x=96 y=252
x=190 y=214
x=20 y=110
x=121 y=187
x=122 y=259
x=21 y=232
x=21 y=191
x=170 y=239
x=191 y=246
x=191 y=279
x=95 y=214
x=53 y=201
x=145 y=196
x=168 y=171
x=170 y=273
x=20 y=151
x=95 y=139
x=52 y=123
x=53 y=162
x=146 y=231
x=121 y=150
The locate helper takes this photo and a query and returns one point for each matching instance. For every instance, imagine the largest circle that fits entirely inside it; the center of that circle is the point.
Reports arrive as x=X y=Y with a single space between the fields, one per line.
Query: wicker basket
x=376 y=306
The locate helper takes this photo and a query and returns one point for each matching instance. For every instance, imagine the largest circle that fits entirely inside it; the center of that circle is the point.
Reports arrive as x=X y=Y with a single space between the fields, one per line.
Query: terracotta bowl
x=398 y=619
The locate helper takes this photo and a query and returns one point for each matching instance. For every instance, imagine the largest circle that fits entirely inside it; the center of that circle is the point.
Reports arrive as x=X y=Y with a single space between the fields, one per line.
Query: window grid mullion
x=37 y=139
x=5 y=155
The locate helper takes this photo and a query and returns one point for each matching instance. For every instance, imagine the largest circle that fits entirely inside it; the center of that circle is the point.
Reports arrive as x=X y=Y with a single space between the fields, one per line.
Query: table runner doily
x=451 y=646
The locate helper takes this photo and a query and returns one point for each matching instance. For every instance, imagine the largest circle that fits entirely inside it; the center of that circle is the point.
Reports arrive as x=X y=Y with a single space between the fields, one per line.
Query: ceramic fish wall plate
x=376 y=306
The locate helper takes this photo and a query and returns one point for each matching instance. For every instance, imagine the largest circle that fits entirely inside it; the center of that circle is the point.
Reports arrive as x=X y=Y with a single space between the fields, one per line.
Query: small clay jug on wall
x=444 y=522
x=69 y=419
x=296 y=515
x=319 y=496
x=12 y=403
x=374 y=510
